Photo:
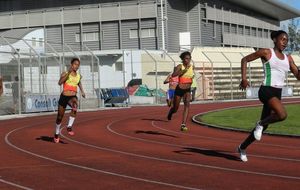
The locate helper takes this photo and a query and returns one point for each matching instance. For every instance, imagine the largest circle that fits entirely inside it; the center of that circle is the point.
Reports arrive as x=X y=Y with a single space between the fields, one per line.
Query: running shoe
x=170 y=115
x=70 y=131
x=243 y=155
x=183 y=127
x=258 y=131
x=56 y=139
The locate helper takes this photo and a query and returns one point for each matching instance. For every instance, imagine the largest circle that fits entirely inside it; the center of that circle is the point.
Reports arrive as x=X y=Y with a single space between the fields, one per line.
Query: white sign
x=185 y=41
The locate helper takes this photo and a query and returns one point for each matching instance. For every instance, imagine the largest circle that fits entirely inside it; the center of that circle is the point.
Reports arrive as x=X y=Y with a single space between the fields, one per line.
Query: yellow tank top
x=72 y=83
x=189 y=73
x=194 y=84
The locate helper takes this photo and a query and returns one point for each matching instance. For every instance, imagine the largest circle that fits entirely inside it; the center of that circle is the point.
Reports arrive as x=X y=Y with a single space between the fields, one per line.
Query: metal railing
x=39 y=64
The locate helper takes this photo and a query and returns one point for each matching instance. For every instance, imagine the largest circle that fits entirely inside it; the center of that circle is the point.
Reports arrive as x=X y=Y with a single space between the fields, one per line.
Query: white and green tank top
x=276 y=70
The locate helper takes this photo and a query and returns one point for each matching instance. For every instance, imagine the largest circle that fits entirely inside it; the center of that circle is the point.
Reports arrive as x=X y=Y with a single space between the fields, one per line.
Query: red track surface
x=137 y=148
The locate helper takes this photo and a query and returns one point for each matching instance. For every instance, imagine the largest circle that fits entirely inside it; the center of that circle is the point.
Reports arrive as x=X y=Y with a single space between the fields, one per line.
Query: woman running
x=173 y=82
x=185 y=72
x=276 y=65
x=70 y=80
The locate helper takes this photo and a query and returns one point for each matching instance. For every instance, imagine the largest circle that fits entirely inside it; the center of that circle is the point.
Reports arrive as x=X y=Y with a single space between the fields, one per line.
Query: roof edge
x=284 y=6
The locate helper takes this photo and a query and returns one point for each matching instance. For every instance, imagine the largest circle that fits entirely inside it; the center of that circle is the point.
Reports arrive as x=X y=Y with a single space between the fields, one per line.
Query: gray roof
x=271 y=8
x=15 y=35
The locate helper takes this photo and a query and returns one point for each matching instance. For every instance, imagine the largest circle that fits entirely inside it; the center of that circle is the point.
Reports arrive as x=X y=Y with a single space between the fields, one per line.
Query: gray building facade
x=137 y=24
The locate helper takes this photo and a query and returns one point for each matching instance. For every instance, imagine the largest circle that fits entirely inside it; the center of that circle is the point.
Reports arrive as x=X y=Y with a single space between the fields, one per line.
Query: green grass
x=245 y=118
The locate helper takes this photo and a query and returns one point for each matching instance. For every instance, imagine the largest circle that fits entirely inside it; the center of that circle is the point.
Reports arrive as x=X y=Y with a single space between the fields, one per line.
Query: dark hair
x=182 y=55
x=75 y=59
x=16 y=78
x=275 y=34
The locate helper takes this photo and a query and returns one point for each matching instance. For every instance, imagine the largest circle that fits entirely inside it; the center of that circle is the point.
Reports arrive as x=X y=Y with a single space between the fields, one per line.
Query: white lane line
x=25 y=166
x=224 y=139
x=252 y=155
x=15 y=185
x=142 y=156
x=200 y=165
x=245 y=106
x=89 y=168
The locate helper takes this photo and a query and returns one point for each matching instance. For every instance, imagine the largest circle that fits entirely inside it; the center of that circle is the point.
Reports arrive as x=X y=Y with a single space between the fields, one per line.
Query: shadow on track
x=206 y=152
x=154 y=133
x=49 y=139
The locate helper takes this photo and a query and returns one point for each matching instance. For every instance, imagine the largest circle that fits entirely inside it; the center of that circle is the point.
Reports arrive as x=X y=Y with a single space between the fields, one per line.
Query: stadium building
x=137 y=24
x=118 y=41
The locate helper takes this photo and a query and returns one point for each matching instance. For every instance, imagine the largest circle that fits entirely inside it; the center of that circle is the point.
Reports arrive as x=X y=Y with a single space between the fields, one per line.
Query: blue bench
x=113 y=96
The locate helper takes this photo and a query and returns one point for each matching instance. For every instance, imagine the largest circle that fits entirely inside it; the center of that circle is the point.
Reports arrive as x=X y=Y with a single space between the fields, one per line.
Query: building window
x=33 y=42
x=247 y=30
x=266 y=33
x=148 y=33
x=241 y=30
x=260 y=33
x=77 y=37
x=253 y=31
x=234 y=29
x=119 y=66
x=133 y=33
x=87 y=37
x=145 y=33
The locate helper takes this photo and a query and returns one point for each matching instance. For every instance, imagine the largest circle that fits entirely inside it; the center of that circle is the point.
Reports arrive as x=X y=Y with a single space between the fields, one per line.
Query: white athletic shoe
x=258 y=131
x=243 y=155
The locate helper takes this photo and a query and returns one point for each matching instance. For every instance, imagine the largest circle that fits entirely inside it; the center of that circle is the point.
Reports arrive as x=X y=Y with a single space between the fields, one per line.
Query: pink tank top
x=174 y=80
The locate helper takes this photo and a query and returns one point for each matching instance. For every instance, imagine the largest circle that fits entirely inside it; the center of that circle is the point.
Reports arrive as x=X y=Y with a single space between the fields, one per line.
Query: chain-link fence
x=30 y=70
x=221 y=71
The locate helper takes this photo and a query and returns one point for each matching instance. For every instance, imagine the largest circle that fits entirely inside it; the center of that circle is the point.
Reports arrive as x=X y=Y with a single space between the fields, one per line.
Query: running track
x=136 y=148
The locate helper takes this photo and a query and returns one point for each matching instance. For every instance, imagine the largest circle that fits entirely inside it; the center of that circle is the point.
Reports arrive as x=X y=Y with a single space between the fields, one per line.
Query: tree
x=294 y=37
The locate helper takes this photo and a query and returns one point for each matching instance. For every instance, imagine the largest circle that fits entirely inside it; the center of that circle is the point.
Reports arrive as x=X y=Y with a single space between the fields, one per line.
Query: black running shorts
x=265 y=93
x=64 y=100
x=180 y=92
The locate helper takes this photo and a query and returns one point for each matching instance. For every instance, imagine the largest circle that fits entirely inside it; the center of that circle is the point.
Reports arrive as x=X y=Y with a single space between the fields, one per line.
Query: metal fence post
x=231 y=87
x=213 y=81
x=156 y=80
x=99 y=74
x=19 y=71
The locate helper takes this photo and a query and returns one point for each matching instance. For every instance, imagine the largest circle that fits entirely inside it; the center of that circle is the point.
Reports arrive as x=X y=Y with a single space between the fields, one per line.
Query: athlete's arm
x=293 y=67
x=179 y=72
x=64 y=76
x=262 y=53
x=167 y=79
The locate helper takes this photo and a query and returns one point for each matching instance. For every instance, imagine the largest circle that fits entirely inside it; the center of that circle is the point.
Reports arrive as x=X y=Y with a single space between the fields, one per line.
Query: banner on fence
x=40 y=103
x=252 y=92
